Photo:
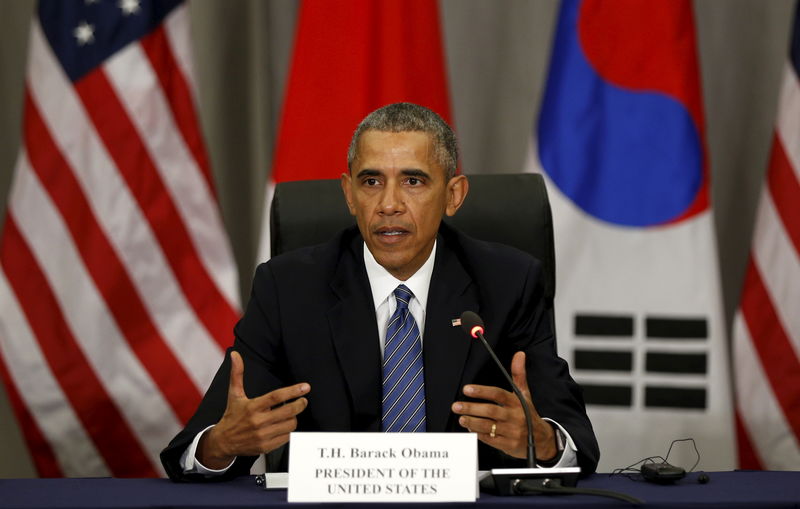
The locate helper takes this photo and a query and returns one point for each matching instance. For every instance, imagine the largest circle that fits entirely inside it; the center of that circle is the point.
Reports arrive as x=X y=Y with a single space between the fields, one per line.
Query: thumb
x=518 y=373
x=236 y=385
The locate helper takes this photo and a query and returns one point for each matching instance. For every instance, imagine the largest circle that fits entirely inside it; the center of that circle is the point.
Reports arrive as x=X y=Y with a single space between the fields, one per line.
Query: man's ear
x=348 y=192
x=457 y=189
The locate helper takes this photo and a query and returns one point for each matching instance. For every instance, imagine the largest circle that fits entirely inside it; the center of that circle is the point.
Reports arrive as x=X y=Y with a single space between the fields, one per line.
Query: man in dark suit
x=308 y=351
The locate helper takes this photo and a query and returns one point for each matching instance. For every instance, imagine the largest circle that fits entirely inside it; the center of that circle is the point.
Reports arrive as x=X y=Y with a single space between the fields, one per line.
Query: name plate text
x=382 y=467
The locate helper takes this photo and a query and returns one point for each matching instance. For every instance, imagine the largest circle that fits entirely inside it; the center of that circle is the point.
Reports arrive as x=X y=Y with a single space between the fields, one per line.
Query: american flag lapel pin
x=455 y=322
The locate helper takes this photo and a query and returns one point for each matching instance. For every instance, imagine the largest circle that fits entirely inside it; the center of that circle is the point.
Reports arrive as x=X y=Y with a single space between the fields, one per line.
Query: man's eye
x=371 y=181
x=413 y=181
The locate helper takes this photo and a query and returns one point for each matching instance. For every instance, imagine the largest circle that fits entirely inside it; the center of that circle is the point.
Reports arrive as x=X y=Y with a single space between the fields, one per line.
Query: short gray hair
x=404 y=117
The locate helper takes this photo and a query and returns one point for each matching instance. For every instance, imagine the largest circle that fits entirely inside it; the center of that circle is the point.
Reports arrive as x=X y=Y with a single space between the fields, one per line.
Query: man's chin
x=390 y=263
x=396 y=265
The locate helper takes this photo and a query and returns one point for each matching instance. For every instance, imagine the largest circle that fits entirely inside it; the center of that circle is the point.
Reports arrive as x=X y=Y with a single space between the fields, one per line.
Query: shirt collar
x=383 y=283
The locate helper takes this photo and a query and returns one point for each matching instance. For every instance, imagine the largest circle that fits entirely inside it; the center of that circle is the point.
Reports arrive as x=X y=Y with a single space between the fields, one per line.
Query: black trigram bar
x=607 y=395
x=603 y=325
x=603 y=360
x=676 y=328
x=683 y=363
x=674 y=397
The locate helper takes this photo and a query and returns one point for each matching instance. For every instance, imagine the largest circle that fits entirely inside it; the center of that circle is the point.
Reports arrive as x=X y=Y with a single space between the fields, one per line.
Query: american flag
x=118 y=290
x=767 y=324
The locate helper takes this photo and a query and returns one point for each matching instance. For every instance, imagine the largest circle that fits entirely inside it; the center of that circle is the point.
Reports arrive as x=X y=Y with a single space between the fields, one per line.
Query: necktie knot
x=403 y=296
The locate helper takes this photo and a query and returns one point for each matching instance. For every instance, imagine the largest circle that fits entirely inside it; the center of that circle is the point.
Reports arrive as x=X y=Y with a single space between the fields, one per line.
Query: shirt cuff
x=190 y=463
x=567 y=451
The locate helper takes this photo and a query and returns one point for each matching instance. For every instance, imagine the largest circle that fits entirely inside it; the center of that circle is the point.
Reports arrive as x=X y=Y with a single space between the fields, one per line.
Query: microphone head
x=471 y=323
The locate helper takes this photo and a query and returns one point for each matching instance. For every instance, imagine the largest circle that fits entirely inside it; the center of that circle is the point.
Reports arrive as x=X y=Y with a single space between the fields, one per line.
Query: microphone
x=520 y=481
x=473 y=325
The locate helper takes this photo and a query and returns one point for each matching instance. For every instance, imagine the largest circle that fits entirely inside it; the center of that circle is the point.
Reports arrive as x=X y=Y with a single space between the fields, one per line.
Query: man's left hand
x=501 y=422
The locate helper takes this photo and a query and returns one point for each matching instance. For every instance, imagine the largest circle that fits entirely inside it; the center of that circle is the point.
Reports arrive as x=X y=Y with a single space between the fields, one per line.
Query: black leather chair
x=511 y=209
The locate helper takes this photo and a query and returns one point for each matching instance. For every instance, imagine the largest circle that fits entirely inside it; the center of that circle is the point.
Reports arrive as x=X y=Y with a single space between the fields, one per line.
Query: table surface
x=725 y=489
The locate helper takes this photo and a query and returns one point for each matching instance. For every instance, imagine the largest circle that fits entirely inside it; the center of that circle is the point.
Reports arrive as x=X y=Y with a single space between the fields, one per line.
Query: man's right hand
x=251 y=427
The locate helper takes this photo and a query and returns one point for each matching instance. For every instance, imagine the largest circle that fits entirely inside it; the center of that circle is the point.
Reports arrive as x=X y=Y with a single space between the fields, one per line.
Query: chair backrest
x=511 y=209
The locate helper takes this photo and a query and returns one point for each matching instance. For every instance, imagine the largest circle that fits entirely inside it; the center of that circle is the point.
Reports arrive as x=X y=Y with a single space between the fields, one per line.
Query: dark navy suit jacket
x=311 y=319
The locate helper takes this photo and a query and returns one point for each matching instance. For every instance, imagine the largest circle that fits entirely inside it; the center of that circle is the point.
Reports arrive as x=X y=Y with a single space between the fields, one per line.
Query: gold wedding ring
x=494 y=430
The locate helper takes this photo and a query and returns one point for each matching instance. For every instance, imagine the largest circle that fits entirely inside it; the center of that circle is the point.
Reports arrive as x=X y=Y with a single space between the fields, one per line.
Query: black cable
x=696 y=452
x=530 y=487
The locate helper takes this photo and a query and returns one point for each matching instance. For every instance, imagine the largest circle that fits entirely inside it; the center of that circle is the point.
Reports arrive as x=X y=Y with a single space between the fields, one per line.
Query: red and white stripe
x=118 y=290
x=767 y=325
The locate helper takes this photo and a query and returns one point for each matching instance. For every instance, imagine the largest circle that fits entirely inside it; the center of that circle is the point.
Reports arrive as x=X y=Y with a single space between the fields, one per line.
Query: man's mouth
x=391 y=232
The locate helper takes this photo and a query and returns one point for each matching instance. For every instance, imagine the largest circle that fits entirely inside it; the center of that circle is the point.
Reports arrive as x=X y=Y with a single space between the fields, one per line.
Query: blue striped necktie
x=403 y=379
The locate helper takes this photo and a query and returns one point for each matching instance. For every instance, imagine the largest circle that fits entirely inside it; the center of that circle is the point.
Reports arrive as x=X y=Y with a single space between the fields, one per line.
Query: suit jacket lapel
x=355 y=338
x=445 y=347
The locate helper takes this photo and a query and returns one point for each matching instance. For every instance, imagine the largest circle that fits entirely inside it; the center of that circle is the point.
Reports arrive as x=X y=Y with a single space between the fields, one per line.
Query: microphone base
x=506 y=481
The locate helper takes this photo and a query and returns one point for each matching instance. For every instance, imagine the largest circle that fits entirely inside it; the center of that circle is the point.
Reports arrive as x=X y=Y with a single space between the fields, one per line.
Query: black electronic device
x=662 y=473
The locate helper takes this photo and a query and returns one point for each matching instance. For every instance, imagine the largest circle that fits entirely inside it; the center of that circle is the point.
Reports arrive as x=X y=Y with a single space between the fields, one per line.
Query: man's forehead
x=376 y=135
x=405 y=150
x=380 y=144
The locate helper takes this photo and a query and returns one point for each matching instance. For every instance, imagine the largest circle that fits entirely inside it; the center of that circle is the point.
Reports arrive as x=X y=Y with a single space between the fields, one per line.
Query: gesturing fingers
x=252 y=426
x=266 y=401
x=249 y=428
x=263 y=413
x=499 y=419
x=287 y=411
x=282 y=395
x=486 y=410
x=493 y=394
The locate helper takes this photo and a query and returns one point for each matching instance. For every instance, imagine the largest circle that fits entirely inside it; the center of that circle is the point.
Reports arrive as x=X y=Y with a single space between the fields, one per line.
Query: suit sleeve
x=258 y=340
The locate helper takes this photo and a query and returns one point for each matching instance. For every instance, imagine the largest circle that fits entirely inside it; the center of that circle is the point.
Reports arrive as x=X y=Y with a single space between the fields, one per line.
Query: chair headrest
x=511 y=209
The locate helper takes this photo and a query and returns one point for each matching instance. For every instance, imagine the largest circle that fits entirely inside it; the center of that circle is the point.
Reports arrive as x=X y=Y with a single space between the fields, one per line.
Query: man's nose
x=391 y=200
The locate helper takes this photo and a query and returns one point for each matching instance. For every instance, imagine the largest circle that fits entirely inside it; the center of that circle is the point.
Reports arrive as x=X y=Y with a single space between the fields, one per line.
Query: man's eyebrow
x=368 y=173
x=413 y=172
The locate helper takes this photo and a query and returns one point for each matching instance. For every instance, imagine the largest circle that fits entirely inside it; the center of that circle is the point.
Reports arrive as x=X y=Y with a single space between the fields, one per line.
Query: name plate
x=383 y=467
